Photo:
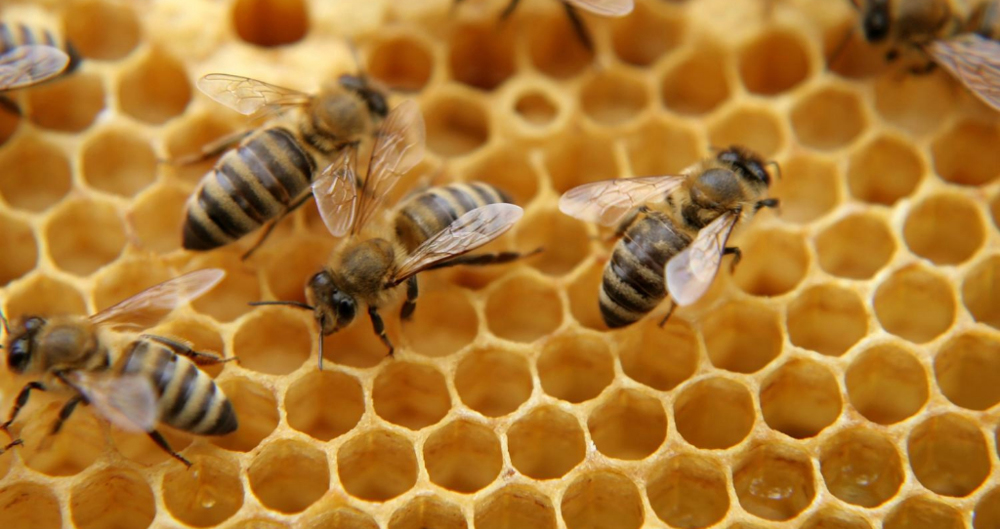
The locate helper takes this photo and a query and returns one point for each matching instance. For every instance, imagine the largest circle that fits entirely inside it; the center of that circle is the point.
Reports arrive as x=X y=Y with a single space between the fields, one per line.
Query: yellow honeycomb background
x=846 y=376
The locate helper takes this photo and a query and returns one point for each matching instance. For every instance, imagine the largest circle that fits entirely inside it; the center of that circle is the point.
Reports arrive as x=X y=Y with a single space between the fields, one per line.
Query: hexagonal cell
x=659 y=357
x=444 y=323
x=325 y=404
x=402 y=62
x=507 y=169
x=523 y=309
x=837 y=246
x=602 y=499
x=833 y=518
x=948 y=455
x=773 y=63
x=289 y=476
x=554 y=47
x=967 y=369
x=78 y=445
x=576 y=367
x=981 y=292
x=536 y=107
x=36 y=174
x=125 y=278
x=377 y=465
x=112 y=498
x=84 y=23
x=68 y=104
x=463 y=456
x=341 y=517
x=661 y=148
x=886 y=384
x=210 y=493
x=964 y=154
x=275 y=342
x=628 y=424
x=481 y=55
x=714 y=413
x=800 y=399
x=579 y=159
x=645 y=35
x=918 y=104
x=613 y=97
x=754 y=127
x=828 y=118
x=156 y=217
x=774 y=262
x=862 y=467
x=41 y=295
x=884 y=170
x=83 y=235
x=923 y=513
x=774 y=481
x=457 y=124
x=410 y=395
x=515 y=506
x=546 y=443
x=827 y=319
x=698 y=84
x=26 y=505
x=987 y=513
x=564 y=241
x=21 y=249
x=117 y=161
x=229 y=299
x=809 y=188
x=742 y=337
x=257 y=409
x=688 y=491
x=909 y=287
x=190 y=135
x=944 y=228
x=155 y=89
x=583 y=293
x=271 y=22
x=493 y=382
x=428 y=511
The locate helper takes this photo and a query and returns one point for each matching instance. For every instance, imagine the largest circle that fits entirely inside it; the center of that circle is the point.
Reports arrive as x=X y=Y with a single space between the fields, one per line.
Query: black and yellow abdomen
x=427 y=213
x=14 y=35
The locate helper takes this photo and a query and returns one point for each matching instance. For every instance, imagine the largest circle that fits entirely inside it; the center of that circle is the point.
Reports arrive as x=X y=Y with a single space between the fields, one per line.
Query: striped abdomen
x=188 y=399
x=431 y=211
x=249 y=186
x=633 y=283
x=14 y=35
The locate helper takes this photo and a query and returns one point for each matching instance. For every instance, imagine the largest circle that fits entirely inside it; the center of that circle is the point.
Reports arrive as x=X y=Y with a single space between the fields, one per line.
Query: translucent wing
x=336 y=192
x=466 y=233
x=249 y=96
x=607 y=202
x=610 y=8
x=128 y=401
x=973 y=60
x=27 y=65
x=690 y=273
x=149 y=306
x=399 y=145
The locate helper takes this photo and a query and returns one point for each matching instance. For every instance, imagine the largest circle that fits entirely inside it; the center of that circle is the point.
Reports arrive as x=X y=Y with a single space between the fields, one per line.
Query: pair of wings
x=973 y=60
x=24 y=66
x=690 y=272
x=610 y=8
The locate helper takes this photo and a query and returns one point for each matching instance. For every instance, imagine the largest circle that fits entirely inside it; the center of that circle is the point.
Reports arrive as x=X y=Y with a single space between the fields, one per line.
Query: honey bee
x=431 y=229
x=610 y=8
x=673 y=230
x=134 y=383
x=269 y=172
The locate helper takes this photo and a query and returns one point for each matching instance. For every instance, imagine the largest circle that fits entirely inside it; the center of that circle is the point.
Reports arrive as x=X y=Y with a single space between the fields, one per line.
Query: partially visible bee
x=610 y=8
x=134 y=383
x=673 y=230
x=431 y=230
x=30 y=56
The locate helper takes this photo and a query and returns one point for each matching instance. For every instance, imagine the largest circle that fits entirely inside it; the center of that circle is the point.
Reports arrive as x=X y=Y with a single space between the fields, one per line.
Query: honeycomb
x=845 y=376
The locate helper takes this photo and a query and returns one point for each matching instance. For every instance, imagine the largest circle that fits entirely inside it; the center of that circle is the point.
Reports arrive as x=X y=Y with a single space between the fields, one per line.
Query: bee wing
x=399 y=145
x=149 y=306
x=249 y=96
x=27 y=65
x=973 y=60
x=336 y=192
x=607 y=202
x=690 y=273
x=610 y=8
x=128 y=401
x=466 y=233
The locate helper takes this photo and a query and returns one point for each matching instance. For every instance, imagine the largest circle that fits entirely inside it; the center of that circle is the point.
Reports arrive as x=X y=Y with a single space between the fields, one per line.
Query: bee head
x=746 y=163
x=21 y=343
x=334 y=308
x=372 y=96
x=875 y=20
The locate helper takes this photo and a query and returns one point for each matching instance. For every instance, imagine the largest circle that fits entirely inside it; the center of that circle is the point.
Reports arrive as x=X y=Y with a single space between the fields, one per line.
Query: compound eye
x=18 y=355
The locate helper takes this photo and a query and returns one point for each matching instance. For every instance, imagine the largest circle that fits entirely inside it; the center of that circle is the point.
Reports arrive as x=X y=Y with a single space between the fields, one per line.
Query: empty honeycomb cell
x=156 y=216
x=117 y=161
x=228 y=299
x=358 y=345
x=659 y=357
x=275 y=342
x=774 y=262
x=921 y=512
x=208 y=493
x=126 y=278
x=289 y=261
x=773 y=62
x=944 y=228
x=645 y=35
x=515 y=506
x=493 y=382
x=402 y=62
x=481 y=55
x=27 y=505
x=257 y=410
x=341 y=517
x=918 y=104
x=69 y=104
x=271 y=22
x=583 y=297
x=575 y=367
x=579 y=160
x=443 y=324
x=861 y=466
x=410 y=395
x=463 y=456
x=188 y=136
x=965 y=153
x=688 y=491
x=948 y=455
x=754 y=127
x=546 y=443
x=155 y=89
x=628 y=425
x=554 y=47
x=86 y=24
x=987 y=513
x=800 y=399
x=377 y=465
x=698 y=84
x=36 y=174
x=714 y=413
x=886 y=384
x=835 y=519
x=428 y=511
x=613 y=97
x=838 y=247
x=981 y=291
x=112 y=498
x=79 y=444
x=742 y=337
x=774 y=481
x=84 y=234
x=523 y=309
x=21 y=250
x=828 y=118
x=325 y=404
x=289 y=476
x=808 y=189
x=41 y=295
x=536 y=108
x=602 y=500
x=827 y=319
x=662 y=148
x=456 y=125
x=884 y=170
x=508 y=169
x=967 y=369
x=915 y=303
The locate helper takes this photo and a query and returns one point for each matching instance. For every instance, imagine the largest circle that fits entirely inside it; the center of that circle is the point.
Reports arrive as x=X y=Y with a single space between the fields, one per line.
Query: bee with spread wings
x=134 y=383
x=673 y=229
x=608 y=8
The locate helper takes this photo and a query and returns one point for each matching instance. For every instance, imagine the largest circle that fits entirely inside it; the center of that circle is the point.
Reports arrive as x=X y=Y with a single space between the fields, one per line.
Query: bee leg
x=578 y=27
x=274 y=223
x=157 y=438
x=670 y=312
x=379 y=327
x=411 y=299
x=766 y=203
x=65 y=413
x=484 y=259
x=19 y=402
x=12 y=444
x=211 y=149
x=183 y=349
x=737 y=255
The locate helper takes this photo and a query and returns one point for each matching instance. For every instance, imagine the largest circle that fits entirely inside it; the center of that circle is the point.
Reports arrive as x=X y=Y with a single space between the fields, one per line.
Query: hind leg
x=157 y=438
